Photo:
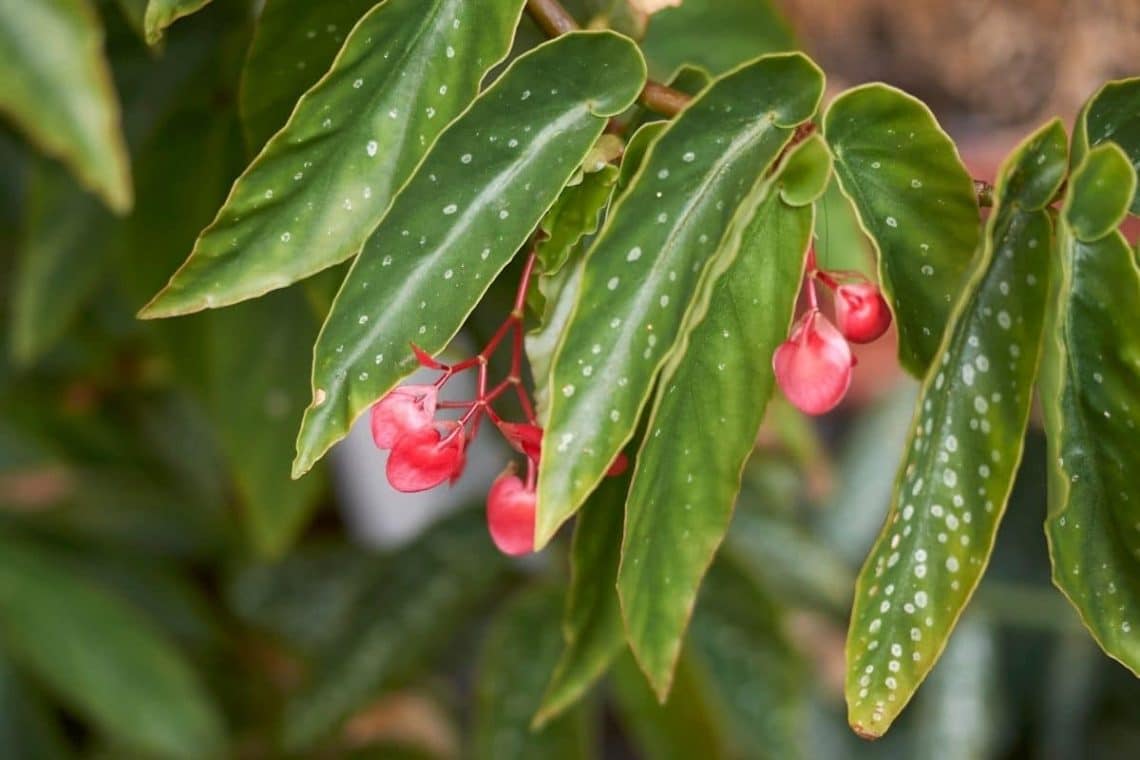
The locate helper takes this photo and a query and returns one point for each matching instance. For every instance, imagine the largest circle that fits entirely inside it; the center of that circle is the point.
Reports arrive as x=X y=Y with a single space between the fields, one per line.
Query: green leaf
x=1090 y=389
x=591 y=623
x=806 y=173
x=162 y=13
x=64 y=246
x=1098 y=193
x=317 y=190
x=915 y=200
x=518 y=653
x=714 y=34
x=293 y=44
x=58 y=90
x=28 y=730
x=266 y=344
x=576 y=214
x=1113 y=113
x=102 y=658
x=708 y=408
x=685 y=726
x=754 y=676
x=963 y=451
x=430 y=590
x=644 y=270
x=475 y=199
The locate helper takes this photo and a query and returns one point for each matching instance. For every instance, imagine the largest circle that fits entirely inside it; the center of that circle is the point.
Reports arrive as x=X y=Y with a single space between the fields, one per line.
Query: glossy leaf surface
x=519 y=651
x=320 y=186
x=1100 y=189
x=916 y=202
x=431 y=588
x=292 y=47
x=58 y=90
x=101 y=657
x=644 y=270
x=963 y=450
x=1112 y=114
x=1090 y=389
x=460 y=220
x=591 y=623
x=710 y=401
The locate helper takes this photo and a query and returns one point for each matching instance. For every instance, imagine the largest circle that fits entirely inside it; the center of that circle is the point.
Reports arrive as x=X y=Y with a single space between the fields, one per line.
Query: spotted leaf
x=475 y=199
x=591 y=622
x=1090 y=388
x=320 y=186
x=644 y=270
x=520 y=648
x=963 y=451
x=708 y=408
x=58 y=90
x=1112 y=114
x=292 y=46
x=915 y=201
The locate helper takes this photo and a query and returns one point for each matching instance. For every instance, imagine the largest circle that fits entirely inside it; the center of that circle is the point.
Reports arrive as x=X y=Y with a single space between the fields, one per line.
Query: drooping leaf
x=292 y=46
x=162 y=13
x=64 y=246
x=1090 y=389
x=429 y=591
x=714 y=34
x=591 y=622
x=687 y=725
x=963 y=451
x=519 y=651
x=1112 y=114
x=472 y=203
x=101 y=657
x=915 y=200
x=754 y=676
x=58 y=90
x=265 y=344
x=710 y=401
x=643 y=271
x=1100 y=189
x=319 y=187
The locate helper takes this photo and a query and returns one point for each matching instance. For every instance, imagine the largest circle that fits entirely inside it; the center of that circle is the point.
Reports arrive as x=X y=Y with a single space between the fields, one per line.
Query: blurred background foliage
x=167 y=591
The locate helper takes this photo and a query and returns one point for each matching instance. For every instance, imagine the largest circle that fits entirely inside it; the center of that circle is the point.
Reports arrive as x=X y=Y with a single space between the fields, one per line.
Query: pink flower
x=405 y=409
x=510 y=515
x=813 y=366
x=861 y=312
x=422 y=459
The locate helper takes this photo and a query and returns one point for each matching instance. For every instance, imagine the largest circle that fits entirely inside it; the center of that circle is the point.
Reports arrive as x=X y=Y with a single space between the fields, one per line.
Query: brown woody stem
x=555 y=20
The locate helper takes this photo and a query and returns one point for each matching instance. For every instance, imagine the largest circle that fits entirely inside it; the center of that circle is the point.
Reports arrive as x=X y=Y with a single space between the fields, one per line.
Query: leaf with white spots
x=1112 y=114
x=519 y=651
x=965 y=444
x=57 y=89
x=162 y=13
x=320 y=186
x=476 y=198
x=591 y=623
x=915 y=201
x=644 y=270
x=1090 y=388
x=292 y=46
x=709 y=404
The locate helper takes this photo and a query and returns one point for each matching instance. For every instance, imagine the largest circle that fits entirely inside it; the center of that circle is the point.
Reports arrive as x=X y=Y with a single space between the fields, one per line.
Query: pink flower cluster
x=813 y=366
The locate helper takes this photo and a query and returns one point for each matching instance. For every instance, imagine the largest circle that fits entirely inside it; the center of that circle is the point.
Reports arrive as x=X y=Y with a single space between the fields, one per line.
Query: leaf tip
x=865 y=733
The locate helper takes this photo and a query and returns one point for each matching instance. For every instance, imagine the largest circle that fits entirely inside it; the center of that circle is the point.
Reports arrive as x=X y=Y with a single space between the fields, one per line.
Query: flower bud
x=510 y=515
x=421 y=460
x=404 y=409
x=813 y=366
x=861 y=312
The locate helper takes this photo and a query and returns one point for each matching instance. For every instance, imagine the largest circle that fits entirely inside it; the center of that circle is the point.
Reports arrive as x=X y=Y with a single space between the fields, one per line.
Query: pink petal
x=421 y=460
x=510 y=515
x=861 y=312
x=813 y=367
x=404 y=409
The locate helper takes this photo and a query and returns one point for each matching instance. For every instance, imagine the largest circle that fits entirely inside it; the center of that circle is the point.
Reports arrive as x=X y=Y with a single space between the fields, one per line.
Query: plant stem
x=556 y=20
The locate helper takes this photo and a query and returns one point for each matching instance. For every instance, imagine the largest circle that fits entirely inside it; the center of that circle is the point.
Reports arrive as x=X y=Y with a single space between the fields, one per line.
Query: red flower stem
x=531 y=474
x=813 y=299
x=826 y=279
